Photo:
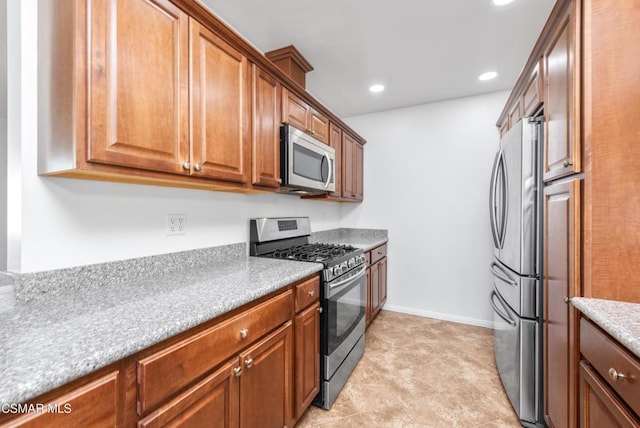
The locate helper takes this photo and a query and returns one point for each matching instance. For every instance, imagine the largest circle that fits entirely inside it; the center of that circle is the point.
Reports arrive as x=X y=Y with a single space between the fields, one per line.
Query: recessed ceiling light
x=376 y=88
x=488 y=75
x=501 y=2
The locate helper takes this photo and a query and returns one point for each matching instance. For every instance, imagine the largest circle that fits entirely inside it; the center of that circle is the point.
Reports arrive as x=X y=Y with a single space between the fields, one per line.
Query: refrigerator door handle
x=503 y=202
x=500 y=274
x=492 y=200
x=506 y=318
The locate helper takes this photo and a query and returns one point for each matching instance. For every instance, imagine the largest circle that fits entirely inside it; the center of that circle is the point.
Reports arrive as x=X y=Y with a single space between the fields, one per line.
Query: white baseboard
x=440 y=316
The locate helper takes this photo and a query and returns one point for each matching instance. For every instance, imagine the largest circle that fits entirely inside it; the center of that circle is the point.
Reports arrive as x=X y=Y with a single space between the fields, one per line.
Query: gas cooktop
x=319 y=253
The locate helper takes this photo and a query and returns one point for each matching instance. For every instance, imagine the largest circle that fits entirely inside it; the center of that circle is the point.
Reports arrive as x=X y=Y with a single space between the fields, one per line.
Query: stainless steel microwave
x=307 y=165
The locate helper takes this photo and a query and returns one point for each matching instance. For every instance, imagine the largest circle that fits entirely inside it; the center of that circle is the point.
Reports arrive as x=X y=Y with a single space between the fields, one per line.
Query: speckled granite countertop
x=69 y=331
x=620 y=319
x=367 y=239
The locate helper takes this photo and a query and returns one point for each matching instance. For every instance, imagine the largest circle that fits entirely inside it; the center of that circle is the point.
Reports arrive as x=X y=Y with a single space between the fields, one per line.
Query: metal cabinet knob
x=197 y=167
x=320 y=309
x=237 y=371
x=567 y=163
x=186 y=165
x=566 y=300
x=615 y=375
x=248 y=362
x=279 y=180
x=244 y=333
x=312 y=293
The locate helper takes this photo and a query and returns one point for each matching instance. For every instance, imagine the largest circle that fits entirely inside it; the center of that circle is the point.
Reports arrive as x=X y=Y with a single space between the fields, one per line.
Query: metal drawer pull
x=312 y=293
x=615 y=375
x=567 y=163
x=237 y=371
x=566 y=300
x=248 y=362
x=244 y=333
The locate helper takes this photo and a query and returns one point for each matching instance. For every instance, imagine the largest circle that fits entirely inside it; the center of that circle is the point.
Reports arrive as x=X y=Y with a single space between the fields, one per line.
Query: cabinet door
x=214 y=400
x=531 y=98
x=599 y=406
x=375 y=289
x=138 y=74
x=295 y=111
x=561 y=281
x=221 y=99
x=611 y=137
x=561 y=156
x=307 y=358
x=383 y=281
x=266 y=129
x=266 y=383
x=91 y=405
x=319 y=126
x=358 y=172
x=335 y=141
x=515 y=114
x=348 y=164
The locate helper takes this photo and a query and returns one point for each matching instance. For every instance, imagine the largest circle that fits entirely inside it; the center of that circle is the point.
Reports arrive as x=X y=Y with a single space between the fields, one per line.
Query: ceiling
x=421 y=50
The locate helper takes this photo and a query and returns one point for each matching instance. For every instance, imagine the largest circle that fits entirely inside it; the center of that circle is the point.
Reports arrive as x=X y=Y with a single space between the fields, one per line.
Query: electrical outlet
x=176 y=224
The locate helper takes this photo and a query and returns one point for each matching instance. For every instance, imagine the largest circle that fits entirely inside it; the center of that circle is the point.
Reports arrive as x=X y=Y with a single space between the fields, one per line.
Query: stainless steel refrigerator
x=515 y=204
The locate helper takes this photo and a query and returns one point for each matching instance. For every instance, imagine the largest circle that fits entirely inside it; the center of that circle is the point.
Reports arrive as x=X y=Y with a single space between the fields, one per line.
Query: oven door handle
x=350 y=279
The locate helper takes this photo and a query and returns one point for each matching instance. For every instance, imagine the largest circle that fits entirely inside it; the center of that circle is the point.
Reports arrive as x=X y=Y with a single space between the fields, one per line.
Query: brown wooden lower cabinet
x=307 y=358
x=216 y=398
x=92 y=405
x=258 y=366
x=266 y=381
x=599 y=405
x=561 y=282
x=376 y=280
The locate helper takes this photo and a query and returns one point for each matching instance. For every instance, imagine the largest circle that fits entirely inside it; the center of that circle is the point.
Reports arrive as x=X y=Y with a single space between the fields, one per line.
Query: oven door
x=343 y=317
x=307 y=162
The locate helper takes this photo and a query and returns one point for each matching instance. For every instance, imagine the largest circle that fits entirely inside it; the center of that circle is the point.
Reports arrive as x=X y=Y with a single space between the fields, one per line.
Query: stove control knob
x=361 y=259
x=335 y=271
x=352 y=262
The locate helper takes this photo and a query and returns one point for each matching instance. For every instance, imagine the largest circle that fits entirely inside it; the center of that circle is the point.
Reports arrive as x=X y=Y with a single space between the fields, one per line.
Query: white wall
x=427 y=172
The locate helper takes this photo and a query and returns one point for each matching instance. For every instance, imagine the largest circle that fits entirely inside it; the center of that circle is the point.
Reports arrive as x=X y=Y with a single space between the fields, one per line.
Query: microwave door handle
x=326 y=155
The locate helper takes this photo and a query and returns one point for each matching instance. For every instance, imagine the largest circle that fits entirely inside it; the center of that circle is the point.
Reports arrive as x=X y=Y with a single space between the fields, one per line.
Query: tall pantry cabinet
x=587 y=58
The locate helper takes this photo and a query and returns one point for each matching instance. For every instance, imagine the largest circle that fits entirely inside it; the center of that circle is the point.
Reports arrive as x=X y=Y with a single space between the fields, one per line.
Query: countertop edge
x=599 y=311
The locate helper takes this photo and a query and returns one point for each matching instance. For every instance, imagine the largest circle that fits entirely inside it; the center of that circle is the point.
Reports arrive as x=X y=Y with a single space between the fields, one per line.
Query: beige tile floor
x=420 y=372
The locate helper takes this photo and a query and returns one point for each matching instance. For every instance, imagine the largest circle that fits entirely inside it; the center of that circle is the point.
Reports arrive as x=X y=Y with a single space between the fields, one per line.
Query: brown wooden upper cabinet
x=562 y=152
x=221 y=100
x=335 y=141
x=138 y=71
x=266 y=129
x=352 y=168
x=159 y=92
x=298 y=113
x=532 y=97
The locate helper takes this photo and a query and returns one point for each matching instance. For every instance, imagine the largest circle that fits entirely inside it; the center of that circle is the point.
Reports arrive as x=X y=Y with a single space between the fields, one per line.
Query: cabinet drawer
x=605 y=355
x=307 y=293
x=166 y=372
x=91 y=405
x=378 y=253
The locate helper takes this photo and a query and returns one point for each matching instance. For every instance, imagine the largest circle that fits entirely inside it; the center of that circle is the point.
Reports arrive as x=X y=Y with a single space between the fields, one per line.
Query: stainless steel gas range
x=342 y=300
